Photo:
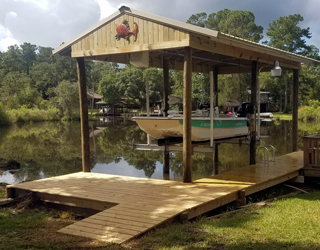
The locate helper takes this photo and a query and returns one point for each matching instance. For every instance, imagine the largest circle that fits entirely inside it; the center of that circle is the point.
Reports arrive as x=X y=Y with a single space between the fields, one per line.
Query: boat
x=172 y=126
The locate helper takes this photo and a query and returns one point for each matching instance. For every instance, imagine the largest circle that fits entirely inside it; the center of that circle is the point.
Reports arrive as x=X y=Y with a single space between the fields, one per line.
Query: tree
x=155 y=79
x=131 y=83
x=17 y=90
x=198 y=19
x=11 y=61
x=108 y=88
x=312 y=52
x=68 y=99
x=28 y=52
x=285 y=34
x=238 y=23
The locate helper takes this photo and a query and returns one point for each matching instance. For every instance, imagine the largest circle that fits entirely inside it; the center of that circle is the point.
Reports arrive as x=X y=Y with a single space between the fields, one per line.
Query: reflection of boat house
x=169 y=44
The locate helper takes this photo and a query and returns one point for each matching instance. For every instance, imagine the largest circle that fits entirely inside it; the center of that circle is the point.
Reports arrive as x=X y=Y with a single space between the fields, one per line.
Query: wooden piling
x=253 y=132
x=187 y=105
x=295 y=110
x=85 y=140
x=166 y=87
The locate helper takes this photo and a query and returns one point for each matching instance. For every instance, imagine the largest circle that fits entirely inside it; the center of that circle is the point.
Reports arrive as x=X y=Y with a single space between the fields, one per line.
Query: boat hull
x=162 y=127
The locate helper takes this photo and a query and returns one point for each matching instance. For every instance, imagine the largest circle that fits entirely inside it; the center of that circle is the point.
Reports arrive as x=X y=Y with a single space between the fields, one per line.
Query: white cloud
x=6 y=42
x=6 y=38
x=40 y=3
x=106 y=9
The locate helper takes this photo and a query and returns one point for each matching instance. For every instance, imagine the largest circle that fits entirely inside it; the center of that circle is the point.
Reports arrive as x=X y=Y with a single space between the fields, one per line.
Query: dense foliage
x=32 y=78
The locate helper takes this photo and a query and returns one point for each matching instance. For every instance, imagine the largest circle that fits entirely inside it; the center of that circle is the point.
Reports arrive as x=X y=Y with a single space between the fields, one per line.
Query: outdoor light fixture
x=276 y=71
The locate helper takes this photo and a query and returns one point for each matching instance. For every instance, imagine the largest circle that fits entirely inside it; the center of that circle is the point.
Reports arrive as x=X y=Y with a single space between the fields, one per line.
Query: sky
x=49 y=23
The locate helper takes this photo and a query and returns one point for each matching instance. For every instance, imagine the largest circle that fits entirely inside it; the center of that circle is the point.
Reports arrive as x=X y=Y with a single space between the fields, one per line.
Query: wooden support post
x=166 y=158
x=85 y=141
x=295 y=110
x=213 y=100
x=253 y=132
x=211 y=107
x=215 y=90
x=166 y=87
x=187 y=105
x=10 y=192
x=241 y=201
x=216 y=159
x=216 y=152
x=215 y=85
x=147 y=96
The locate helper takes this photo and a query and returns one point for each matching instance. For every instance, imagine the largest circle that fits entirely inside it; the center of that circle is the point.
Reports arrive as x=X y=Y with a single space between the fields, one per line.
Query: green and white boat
x=165 y=127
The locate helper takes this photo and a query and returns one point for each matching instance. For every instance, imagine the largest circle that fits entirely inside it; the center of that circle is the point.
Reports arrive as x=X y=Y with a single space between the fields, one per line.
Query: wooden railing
x=311 y=144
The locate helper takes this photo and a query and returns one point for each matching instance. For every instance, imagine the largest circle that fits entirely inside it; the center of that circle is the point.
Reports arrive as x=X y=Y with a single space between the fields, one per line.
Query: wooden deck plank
x=97 y=221
x=103 y=227
x=135 y=205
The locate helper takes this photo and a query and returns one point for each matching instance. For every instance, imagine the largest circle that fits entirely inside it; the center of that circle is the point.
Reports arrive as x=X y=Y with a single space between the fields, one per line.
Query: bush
x=4 y=118
x=314 y=103
x=33 y=115
x=309 y=114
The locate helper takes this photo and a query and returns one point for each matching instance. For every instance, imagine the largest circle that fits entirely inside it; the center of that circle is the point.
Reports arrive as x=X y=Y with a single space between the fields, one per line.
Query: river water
x=51 y=149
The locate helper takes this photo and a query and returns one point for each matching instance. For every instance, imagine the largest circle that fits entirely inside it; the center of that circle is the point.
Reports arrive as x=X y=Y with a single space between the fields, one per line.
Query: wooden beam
x=85 y=140
x=295 y=110
x=165 y=87
x=187 y=105
x=129 y=48
x=253 y=132
x=222 y=47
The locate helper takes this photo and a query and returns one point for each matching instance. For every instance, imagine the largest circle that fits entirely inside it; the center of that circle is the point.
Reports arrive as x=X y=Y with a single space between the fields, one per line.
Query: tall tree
x=11 y=61
x=198 y=19
x=285 y=34
x=238 y=23
x=28 y=51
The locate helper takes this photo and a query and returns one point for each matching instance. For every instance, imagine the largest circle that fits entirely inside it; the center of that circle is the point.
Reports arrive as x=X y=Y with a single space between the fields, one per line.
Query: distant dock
x=131 y=206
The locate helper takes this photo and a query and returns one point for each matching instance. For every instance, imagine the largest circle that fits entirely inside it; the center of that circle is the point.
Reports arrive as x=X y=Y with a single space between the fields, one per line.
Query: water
x=51 y=149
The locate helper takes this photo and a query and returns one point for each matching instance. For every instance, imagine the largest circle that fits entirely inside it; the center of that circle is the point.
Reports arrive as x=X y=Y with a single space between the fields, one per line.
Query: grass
x=2 y=190
x=285 y=224
x=282 y=116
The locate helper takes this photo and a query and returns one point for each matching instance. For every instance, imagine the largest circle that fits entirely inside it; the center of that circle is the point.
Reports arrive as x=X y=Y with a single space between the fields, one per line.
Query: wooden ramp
x=131 y=206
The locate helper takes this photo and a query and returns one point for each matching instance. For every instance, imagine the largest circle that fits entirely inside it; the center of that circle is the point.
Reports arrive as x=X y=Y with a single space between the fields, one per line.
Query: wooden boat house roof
x=160 y=38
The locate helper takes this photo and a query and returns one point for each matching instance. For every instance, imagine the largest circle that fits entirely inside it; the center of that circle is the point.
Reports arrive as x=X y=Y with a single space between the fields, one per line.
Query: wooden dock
x=131 y=206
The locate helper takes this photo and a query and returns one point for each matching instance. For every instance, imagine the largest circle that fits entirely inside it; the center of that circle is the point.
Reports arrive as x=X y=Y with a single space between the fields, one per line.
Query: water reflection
x=51 y=149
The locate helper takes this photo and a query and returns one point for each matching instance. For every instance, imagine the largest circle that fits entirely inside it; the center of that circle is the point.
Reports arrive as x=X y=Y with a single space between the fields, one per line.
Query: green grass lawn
x=292 y=223
x=288 y=224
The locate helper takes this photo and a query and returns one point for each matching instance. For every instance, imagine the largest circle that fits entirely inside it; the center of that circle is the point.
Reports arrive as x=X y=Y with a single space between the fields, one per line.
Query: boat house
x=160 y=42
